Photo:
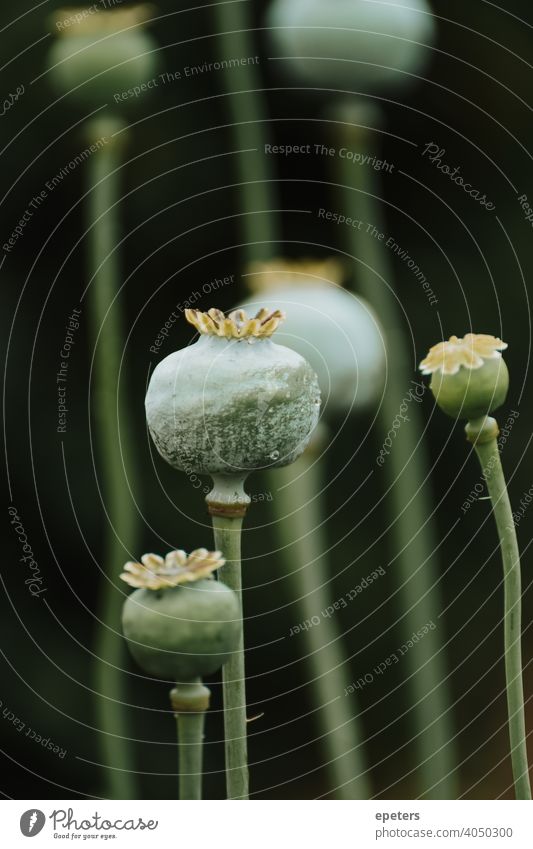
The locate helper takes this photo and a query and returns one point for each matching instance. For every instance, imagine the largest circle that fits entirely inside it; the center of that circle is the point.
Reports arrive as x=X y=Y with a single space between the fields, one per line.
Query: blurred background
x=180 y=231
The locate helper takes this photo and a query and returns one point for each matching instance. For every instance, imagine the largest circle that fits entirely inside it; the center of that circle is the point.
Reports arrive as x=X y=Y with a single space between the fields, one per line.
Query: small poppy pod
x=100 y=54
x=371 y=45
x=337 y=332
x=469 y=377
x=180 y=624
x=234 y=401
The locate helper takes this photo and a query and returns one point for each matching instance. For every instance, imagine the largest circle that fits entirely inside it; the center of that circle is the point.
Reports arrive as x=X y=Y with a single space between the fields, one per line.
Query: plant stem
x=406 y=468
x=226 y=498
x=245 y=105
x=110 y=411
x=300 y=522
x=484 y=434
x=190 y=702
x=228 y=540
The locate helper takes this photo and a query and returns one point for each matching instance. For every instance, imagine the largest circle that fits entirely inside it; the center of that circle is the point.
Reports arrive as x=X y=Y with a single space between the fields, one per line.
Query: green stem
x=190 y=701
x=191 y=744
x=483 y=433
x=299 y=514
x=115 y=451
x=246 y=107
x=227 y=531
x=406 y=468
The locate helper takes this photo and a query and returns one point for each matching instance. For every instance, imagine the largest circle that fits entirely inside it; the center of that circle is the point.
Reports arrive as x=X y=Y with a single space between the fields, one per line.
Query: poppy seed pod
x=179 y=624
x=469 y=376
x=100 y=54
x=352 y=42
x=337 y=332
x=233 y=401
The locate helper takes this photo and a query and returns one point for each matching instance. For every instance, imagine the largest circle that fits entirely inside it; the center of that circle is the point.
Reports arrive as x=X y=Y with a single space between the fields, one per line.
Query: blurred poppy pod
x=469 y=376
x=234 y=401
x=102 y=56
x=337 y=332
x=367 y=43
x=179 y=624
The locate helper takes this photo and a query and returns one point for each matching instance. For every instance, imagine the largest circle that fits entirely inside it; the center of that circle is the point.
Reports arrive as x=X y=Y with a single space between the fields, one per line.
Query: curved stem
x=298 y=508
x=406 y=468
x=190 y=702
x=483 y=433
x=227 y=531
x=115 y=452
x=245 y=105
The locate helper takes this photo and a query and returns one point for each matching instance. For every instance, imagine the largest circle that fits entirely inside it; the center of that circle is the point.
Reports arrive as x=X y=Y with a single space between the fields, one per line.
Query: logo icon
x=32 y=822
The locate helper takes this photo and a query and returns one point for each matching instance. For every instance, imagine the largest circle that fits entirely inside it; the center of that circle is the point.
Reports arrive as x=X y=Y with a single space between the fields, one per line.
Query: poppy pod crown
x=236 y=325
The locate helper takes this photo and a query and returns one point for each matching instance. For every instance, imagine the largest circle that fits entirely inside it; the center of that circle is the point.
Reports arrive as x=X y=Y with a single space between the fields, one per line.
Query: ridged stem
x=190 y=701
x=484 y=434
x=246 y=107
x=406 y=468
x=298 y=506
x=228 y=531
x=115 y=456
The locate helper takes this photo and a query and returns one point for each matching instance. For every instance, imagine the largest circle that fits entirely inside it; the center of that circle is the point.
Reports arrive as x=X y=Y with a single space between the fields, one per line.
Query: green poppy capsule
x=337 y=332
x=234 y=401
x=469 y=376
x=371 y=45
x=179 y=624
x=100 y=56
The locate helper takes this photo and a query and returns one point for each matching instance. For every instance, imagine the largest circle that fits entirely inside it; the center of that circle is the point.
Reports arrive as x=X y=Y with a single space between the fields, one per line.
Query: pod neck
x=228 y=498
x=190 y=697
